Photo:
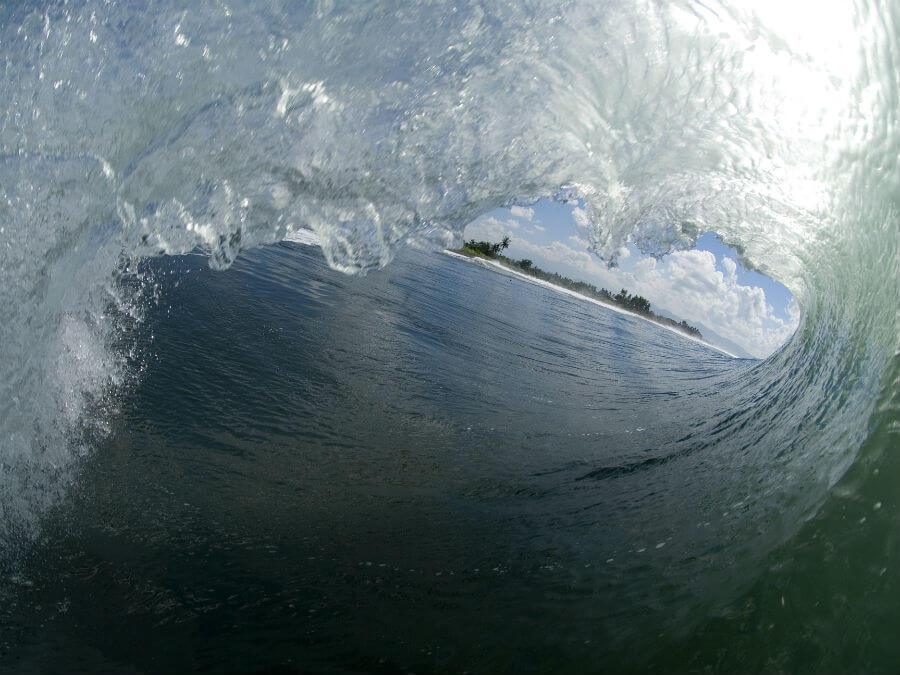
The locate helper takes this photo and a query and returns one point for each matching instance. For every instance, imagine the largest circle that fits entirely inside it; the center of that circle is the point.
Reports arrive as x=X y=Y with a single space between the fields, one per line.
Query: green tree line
x=623 y=299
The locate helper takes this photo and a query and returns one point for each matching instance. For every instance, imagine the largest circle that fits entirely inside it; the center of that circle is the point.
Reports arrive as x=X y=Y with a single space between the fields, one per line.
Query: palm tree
x=504 y=244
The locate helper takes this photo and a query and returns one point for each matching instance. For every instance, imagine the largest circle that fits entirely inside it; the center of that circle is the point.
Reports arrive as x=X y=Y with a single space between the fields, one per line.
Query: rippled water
x=151 y=424
x=385 y=471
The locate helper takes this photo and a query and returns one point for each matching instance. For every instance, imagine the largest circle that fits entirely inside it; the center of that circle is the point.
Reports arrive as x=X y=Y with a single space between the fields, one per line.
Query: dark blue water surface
x=435 y=468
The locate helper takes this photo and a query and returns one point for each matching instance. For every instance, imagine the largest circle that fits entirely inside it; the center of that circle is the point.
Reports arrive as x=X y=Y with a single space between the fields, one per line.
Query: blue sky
x=737 y=309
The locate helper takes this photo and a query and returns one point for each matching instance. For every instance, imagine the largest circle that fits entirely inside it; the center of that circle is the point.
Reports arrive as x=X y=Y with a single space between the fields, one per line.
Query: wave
x=212 y=128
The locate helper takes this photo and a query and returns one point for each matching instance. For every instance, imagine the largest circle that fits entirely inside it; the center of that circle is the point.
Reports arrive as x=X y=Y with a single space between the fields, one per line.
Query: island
x=632 y=303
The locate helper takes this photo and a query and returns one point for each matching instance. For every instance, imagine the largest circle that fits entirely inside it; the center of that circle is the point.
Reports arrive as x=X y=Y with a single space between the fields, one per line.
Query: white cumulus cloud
x=578 y=242
x=688 y=285
x=491 y=229
x=685 y=284
x=522 y=212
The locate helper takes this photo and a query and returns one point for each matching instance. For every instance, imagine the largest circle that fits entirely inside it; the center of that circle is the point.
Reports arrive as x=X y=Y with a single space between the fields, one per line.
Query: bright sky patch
x=739 y=310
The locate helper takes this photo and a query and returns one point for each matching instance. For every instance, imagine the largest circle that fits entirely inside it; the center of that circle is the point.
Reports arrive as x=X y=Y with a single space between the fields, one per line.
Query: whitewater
x=226 y=449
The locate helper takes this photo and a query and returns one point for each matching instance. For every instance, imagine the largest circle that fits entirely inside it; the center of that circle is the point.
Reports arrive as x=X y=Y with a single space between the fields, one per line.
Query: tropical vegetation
x=623 y=299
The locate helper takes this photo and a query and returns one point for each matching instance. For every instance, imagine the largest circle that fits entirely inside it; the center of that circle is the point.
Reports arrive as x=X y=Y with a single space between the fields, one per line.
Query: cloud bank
x=686 y=284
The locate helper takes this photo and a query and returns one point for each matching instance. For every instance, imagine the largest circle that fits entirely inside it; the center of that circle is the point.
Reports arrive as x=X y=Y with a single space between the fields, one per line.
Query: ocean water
x=223 y=450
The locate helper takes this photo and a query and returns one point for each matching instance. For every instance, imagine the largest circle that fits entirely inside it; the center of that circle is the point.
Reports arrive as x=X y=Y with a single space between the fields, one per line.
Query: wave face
x=217 y=128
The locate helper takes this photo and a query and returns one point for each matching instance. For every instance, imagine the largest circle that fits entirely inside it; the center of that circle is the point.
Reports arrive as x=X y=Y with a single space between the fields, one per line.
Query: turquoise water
x=222 y=451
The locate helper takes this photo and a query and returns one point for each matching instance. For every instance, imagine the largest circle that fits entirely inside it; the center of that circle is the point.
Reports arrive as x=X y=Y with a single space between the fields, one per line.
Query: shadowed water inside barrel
x=432 y=467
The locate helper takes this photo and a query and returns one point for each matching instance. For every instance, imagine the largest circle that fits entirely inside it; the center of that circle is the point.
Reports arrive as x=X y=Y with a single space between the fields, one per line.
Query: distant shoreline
x=310 y=238
x=499 y=266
